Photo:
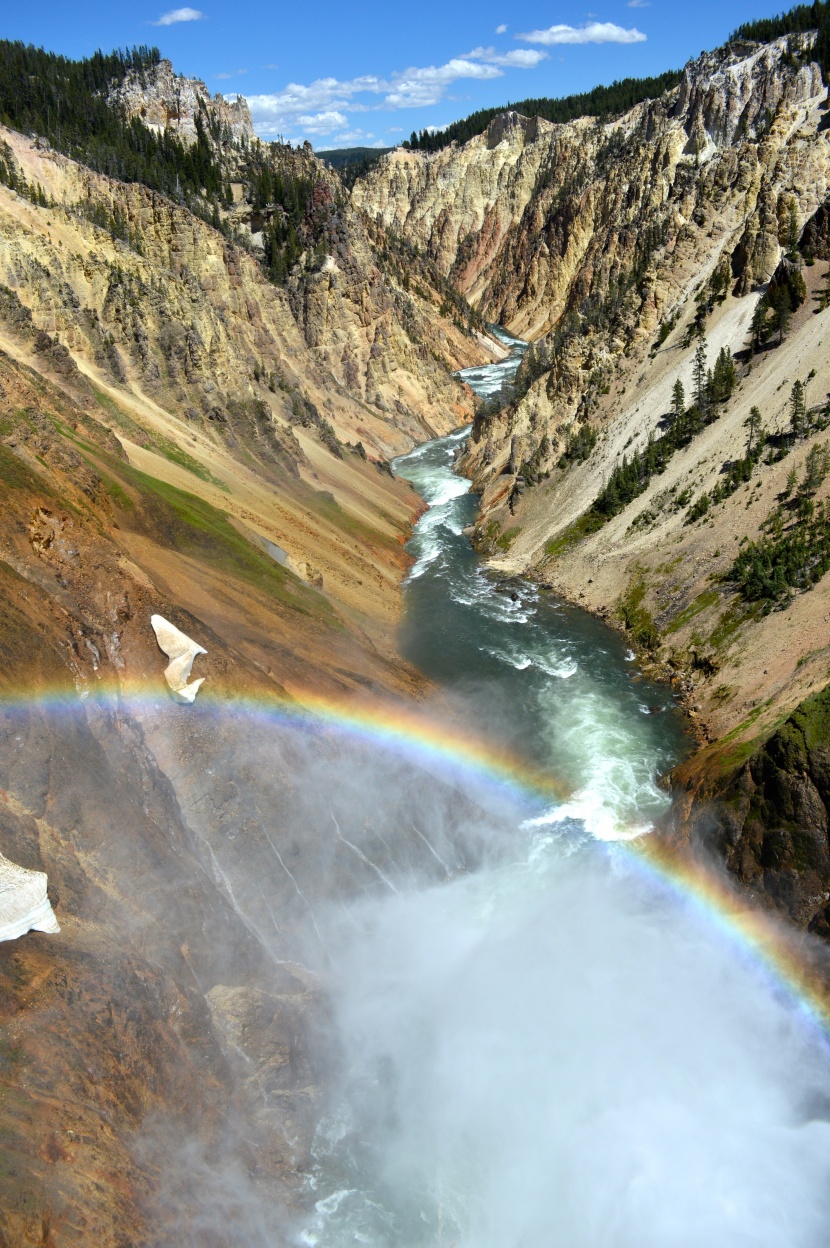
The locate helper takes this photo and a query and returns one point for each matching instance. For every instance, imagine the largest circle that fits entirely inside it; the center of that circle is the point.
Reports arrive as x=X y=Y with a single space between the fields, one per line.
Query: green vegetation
x=578 y=446
x=637 y=620
x=798 y=20
x=508 y=537
x=574 y=533
x=707 y=599
x=786 y=292
x=352 y=163
x=156 y=441
x=15 y=475
x=193 y=527
x=735 y=472
x=284 y=200
x=787 y=560
x=632 y=476
x=113 y=220
x=599 y=102
x=13 y=177
x=66 y=102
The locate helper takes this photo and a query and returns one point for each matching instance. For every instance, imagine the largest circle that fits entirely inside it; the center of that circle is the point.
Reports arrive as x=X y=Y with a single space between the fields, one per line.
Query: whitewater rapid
x=548 y=1050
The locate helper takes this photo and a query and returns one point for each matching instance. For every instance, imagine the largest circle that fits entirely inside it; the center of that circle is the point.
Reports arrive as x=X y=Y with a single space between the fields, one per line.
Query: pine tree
x=798 y=410
x=816 y=468
x=699 y=375
x=724 y=376
x=754 y=426
x=783 y=311
x=758 y=329
x=678 y=404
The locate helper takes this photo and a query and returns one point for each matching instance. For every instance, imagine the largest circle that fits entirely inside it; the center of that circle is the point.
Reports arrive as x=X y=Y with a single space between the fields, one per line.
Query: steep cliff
x=164 y=100
x=768 y=817
x=638 y=240
x=534 y=220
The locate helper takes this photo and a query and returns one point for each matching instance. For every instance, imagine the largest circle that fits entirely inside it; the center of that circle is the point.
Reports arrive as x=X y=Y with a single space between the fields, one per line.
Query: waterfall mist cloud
x=516 y=1039
x=551 y=1055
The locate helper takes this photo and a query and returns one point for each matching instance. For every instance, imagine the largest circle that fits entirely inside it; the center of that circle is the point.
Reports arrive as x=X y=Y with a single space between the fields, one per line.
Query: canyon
x=618 y=248
x=185 y=436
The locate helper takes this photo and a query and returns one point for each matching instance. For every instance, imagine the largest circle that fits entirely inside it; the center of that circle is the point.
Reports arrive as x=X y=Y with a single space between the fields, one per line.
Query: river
x=548 y=1051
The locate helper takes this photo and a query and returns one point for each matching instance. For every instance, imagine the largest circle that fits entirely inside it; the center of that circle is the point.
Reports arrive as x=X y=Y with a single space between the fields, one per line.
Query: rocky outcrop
x=24 y=903
x=181 y=650
x=166 y=101
x=769 y=818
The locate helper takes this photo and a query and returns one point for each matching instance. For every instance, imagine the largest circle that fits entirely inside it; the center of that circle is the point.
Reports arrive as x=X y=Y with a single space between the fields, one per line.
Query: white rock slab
x=181 y=650
x=24 y=906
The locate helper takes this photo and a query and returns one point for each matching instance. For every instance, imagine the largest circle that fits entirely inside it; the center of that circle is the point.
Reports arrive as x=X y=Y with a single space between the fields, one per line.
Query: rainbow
x=763 y=943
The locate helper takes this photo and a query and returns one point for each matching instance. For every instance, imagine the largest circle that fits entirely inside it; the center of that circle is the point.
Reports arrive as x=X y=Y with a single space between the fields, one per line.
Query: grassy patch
x=508 y=537
x=638 y=621
x=190 y=525
x=156 y=441
x=707 y=599
x=19 y=476
x=325 y=504
x=740 y=728
x=812 y=717
x=170 y=450
x=574 y=533
x=729 y=623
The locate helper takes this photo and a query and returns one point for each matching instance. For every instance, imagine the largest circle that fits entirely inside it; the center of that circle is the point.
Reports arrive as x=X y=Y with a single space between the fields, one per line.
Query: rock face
x=535 y=220
x=161 y=1038
x=769 y=818
x=460 y=203
x=188 y=318
x=164 y=100
x=181 y=650
x=24 y=905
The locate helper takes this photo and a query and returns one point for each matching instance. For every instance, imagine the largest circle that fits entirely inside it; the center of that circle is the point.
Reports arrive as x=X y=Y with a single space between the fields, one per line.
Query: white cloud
x=639 y=4
x=321 y=123
x=359 y=137
x=179 y=15
x=420 y=87
x=502 y=30
x=518 y=58
x=315 y=104
x=591 y=32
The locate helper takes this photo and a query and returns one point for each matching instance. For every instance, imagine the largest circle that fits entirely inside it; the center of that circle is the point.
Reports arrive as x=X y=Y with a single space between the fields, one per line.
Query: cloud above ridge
x=180 y=15
x=590 y=32
x=286 y=111
x=324 y=107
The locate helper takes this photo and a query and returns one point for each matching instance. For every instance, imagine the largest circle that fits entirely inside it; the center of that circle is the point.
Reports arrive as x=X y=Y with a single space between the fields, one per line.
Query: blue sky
x=370 y=73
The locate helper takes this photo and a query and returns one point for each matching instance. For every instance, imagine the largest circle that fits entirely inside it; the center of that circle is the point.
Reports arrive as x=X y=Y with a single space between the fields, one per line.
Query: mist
x=551 y=1054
